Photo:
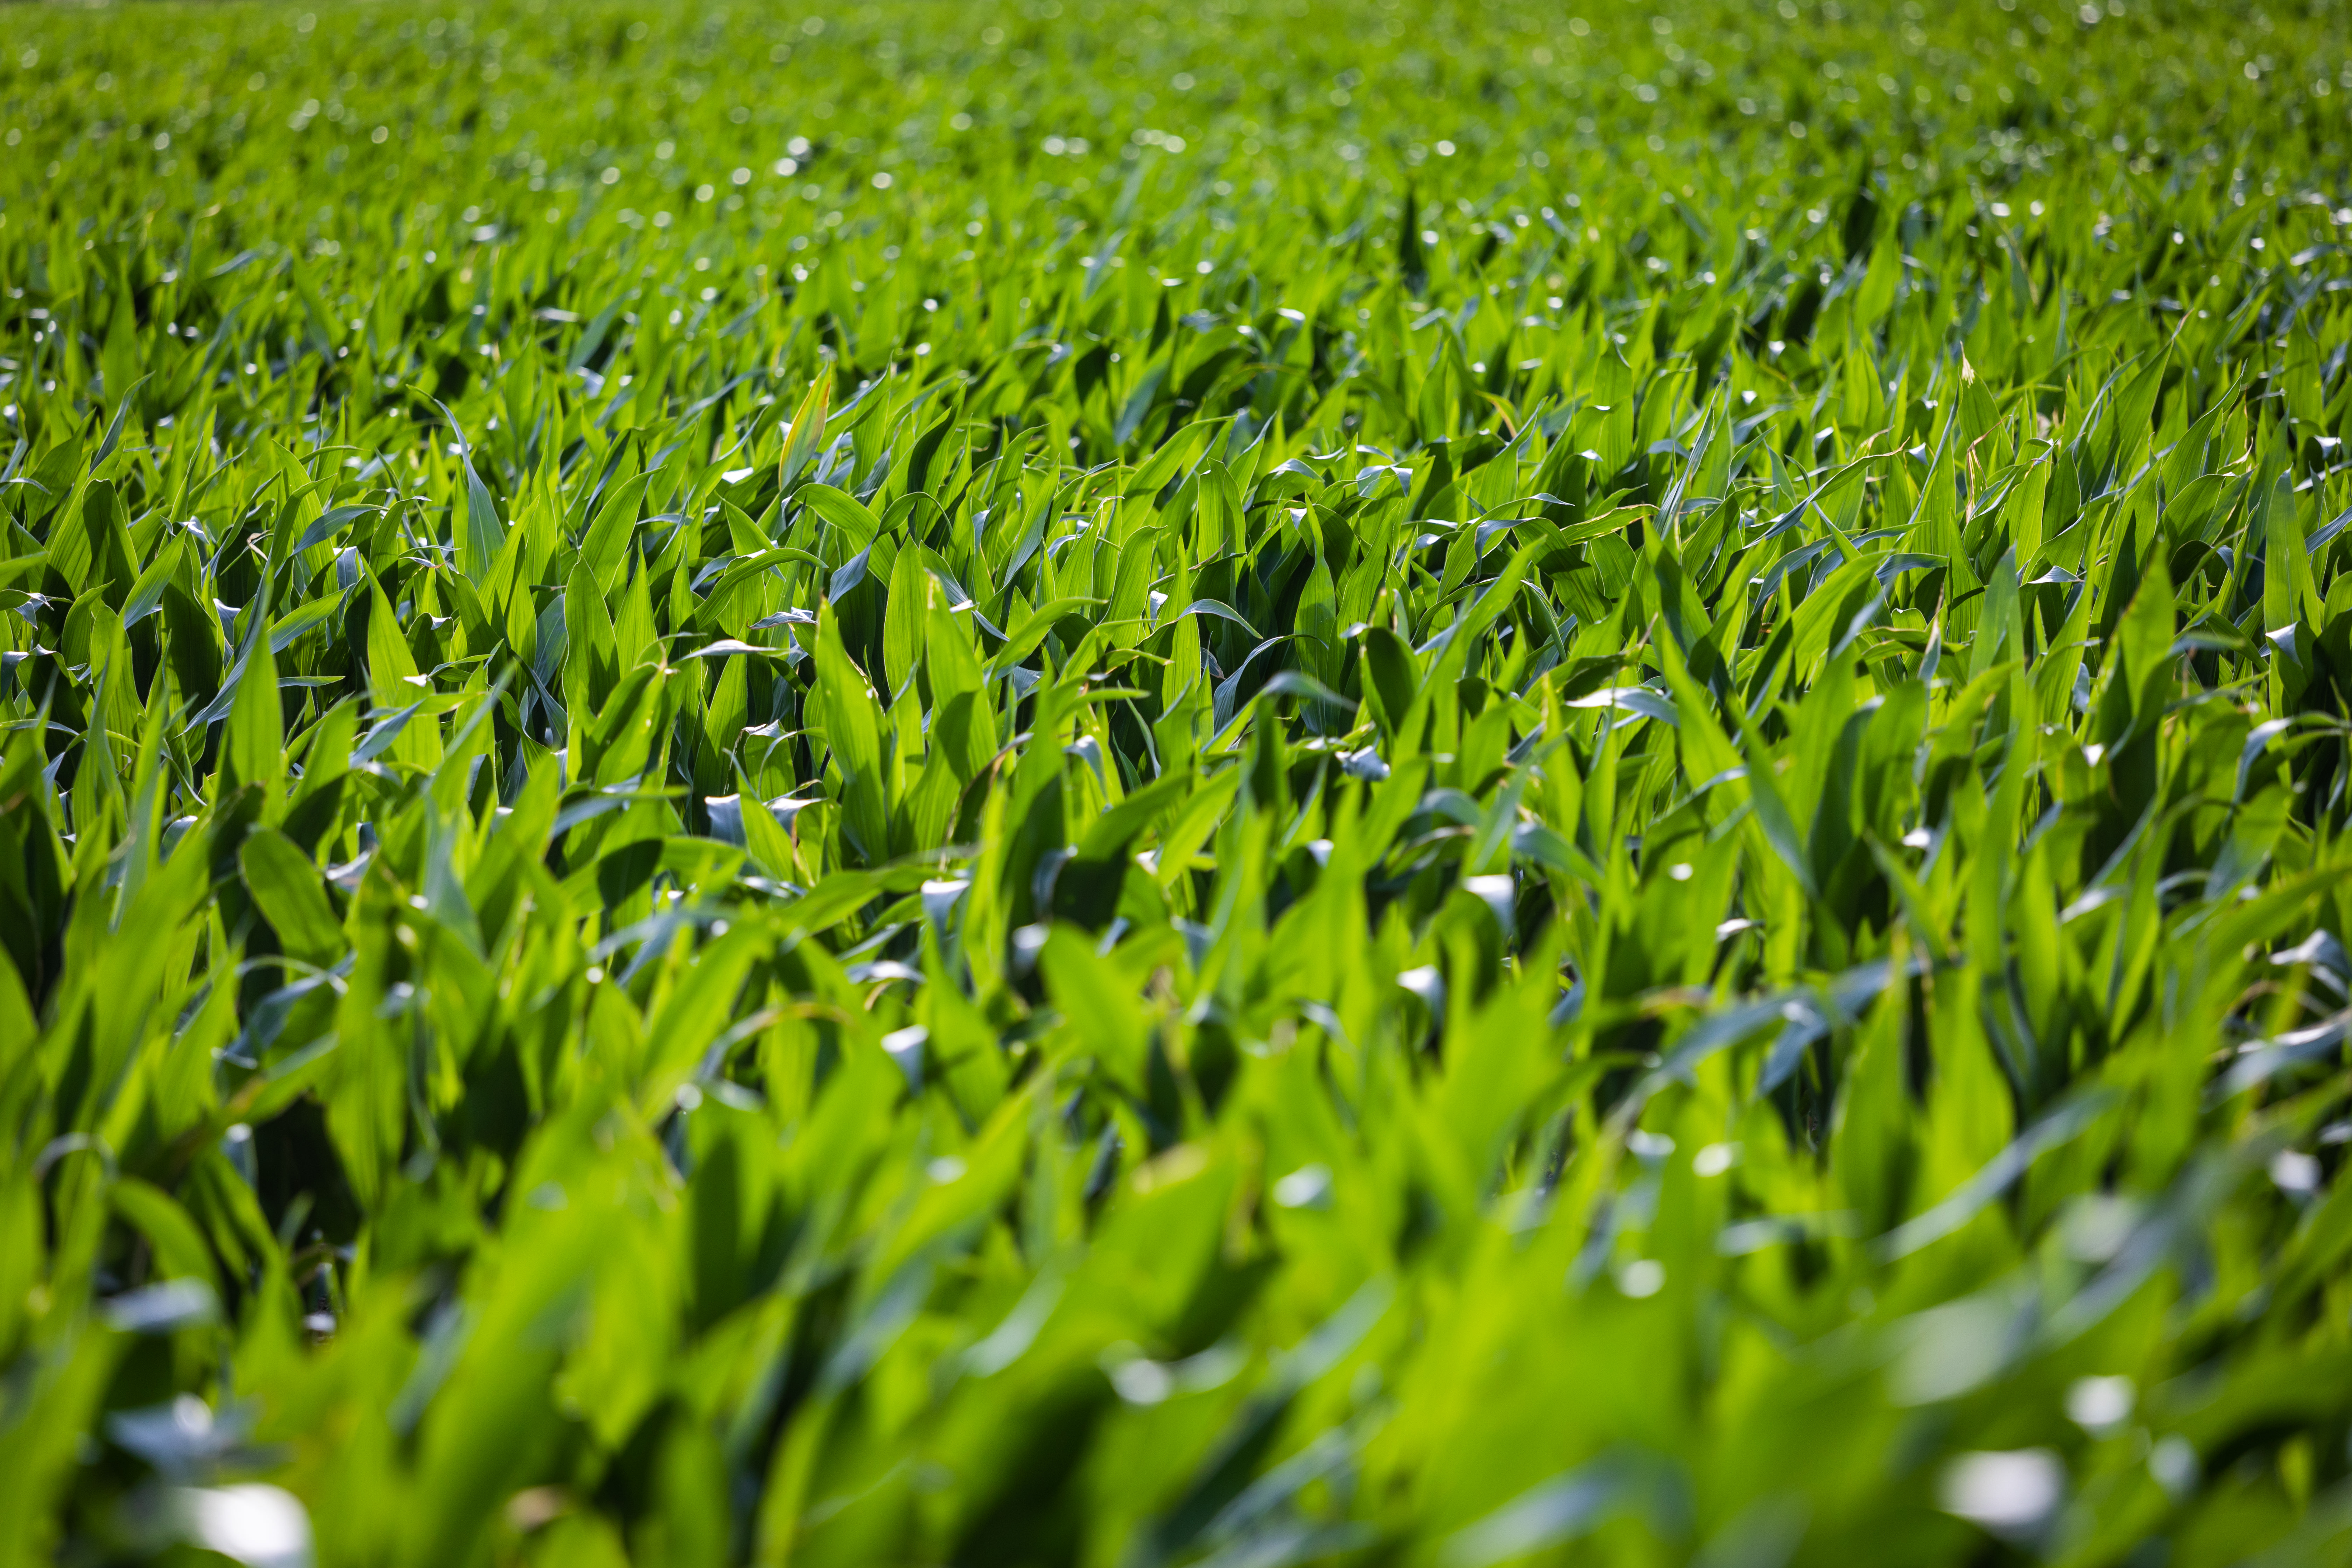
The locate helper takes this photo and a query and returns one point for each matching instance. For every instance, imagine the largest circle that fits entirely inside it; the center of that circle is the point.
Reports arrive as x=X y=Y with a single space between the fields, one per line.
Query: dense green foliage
x=1189 y=783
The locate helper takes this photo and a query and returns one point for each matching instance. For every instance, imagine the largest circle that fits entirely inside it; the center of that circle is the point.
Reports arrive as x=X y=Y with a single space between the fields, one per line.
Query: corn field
x=1358 y=783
